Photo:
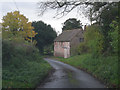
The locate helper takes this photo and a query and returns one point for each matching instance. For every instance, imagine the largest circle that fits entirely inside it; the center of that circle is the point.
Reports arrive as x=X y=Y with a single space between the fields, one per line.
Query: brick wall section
x=59 y=48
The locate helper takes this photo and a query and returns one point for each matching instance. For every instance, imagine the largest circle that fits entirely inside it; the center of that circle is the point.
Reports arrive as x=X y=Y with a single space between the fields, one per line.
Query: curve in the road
x=66 y=76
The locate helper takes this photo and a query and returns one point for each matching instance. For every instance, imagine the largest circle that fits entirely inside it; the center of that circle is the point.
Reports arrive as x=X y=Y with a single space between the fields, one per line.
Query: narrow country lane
x=66 y=76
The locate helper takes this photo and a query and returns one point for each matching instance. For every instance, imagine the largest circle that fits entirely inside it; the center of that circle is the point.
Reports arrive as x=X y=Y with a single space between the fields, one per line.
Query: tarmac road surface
x=66 y=76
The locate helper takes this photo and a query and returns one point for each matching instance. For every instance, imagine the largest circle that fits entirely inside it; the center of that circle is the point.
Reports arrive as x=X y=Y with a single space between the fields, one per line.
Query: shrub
x=82 y=48
x=94 y=39
x=23 y=67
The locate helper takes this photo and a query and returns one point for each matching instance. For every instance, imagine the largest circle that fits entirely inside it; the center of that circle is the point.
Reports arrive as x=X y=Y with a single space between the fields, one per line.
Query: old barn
x=67 y=41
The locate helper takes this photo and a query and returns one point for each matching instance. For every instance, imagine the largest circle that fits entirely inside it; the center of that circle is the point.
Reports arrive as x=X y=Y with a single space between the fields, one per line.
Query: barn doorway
x=65 y=53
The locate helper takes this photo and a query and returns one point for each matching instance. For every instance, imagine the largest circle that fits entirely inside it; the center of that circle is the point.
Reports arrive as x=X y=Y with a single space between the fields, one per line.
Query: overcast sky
x=30 y=10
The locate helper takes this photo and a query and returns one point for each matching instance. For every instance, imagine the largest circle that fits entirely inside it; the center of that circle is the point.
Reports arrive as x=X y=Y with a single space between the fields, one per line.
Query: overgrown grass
x=28 y=76
x=23 y=67
x=103 y=68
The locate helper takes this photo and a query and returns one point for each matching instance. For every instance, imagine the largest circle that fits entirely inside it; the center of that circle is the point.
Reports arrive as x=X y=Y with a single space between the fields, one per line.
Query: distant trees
x=45 y=36
x=16 y=26
x=71 y=23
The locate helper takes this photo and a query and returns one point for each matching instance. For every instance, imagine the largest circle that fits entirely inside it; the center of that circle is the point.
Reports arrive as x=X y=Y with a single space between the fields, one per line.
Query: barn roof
x=67 y=35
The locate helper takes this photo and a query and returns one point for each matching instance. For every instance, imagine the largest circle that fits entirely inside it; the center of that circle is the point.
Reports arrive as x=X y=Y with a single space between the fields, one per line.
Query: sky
x=30 y=10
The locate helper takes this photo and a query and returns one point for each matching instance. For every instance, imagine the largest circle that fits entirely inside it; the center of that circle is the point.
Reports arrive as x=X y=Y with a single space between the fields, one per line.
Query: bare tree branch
x=64 y=7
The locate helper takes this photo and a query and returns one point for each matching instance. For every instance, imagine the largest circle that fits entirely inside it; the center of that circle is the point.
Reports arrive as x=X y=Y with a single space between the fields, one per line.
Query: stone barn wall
x=62 y=49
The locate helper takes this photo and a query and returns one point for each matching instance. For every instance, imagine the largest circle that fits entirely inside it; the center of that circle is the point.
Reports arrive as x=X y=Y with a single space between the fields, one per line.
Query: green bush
x=93 y=39
x=23 y=67
x=82 y=48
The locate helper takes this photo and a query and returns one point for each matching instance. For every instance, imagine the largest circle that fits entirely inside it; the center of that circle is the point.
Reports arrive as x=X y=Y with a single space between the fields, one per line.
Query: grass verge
x=103 y=68
x=28 y=76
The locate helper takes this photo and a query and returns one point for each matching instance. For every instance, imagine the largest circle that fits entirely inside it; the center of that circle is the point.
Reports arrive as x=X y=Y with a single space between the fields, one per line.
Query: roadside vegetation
x=23 y=67
x=22 y=64
x=103 y=68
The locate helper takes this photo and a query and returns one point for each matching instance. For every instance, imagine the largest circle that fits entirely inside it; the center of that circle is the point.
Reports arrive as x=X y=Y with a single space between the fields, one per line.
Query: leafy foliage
x=12 y=49
x=106 y=15
x=23 y=67
x=82 y=48
x=45 y=35
x=16 y=25
x=71 y=23
x=93 y=41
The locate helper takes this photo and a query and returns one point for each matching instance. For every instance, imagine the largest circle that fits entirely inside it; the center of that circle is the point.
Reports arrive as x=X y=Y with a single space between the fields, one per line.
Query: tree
x=16 y=25
x=106 y=16
x=71 y=23
x=45 y=35
x=94 y=40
